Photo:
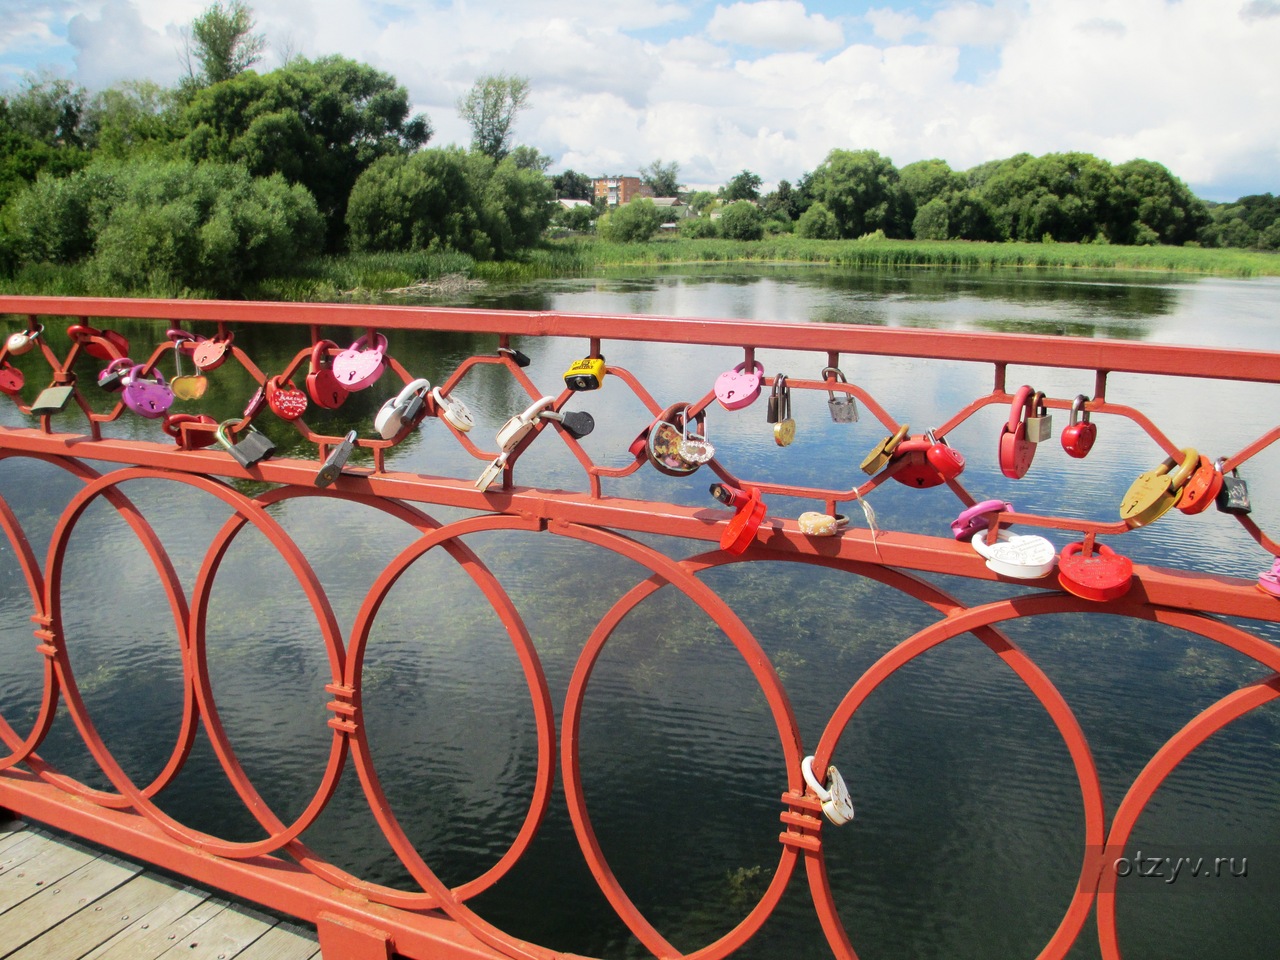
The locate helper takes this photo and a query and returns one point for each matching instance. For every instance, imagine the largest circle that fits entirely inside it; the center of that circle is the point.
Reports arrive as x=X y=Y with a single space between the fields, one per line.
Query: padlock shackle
x=1078 y=410
x=1190 y=460
x=1020 y=408
x=318 y=349
x=362 y=343
x=134 y=374
x=535 y=409
x=419 y=386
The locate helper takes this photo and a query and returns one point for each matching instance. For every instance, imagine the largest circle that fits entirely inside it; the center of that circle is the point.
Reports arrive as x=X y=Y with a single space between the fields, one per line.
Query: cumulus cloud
x=1260 y=10
x=118 y=45
x=774 y=25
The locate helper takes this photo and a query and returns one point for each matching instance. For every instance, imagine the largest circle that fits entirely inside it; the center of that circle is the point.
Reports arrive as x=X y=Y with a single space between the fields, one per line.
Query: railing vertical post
x=342 y=938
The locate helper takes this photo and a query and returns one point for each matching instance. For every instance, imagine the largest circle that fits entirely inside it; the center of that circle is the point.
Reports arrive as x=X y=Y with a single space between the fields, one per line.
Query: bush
x=742 y=220
x=633 y=222
x=699 y=228
x=817 y=223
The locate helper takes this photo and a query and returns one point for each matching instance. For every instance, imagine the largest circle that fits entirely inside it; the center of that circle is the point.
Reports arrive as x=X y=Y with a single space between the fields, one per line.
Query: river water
x=968 y=837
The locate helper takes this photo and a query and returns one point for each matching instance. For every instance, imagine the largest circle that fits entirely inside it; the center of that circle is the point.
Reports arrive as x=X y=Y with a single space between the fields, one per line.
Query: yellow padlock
x=1157 y=491
x=585 y=374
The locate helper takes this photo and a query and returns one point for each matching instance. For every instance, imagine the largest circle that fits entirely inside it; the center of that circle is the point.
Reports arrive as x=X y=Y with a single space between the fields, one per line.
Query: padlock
x=739 y=387
x=882 y=451
x=454 y=412
x=1200 y=490
x=740 y=532
x=186 y=386
x=844 y=409
x=113 y=378
x=1020 y=556
x=518 y=358
x=251 y=448
x=695 y=447
x=837 y=806
x=360 y=365
x=99 y=344
x=403 y=408
x=576 y=423
x=977 y=517
x=150 y=398
x=1078 y=435
x=662 y=446
x=1234 y=495
x=1269 y=580
x=910 y=465
x=1156 y=492
x=784 y=428
x=1099 y=575
x=1039 y=421
x=53 y=399
x=333 y=464
x=11 y=379
x=322 y=385
x=23 y=341
x=256 y=402
x=492 y=472
x=585 y=374
x=815 y=524
x=189 y=439
x=1016 y=451
x=946 y=459
x=518 y=427
x=729 y=495
x=285 y=400
x=211 y=354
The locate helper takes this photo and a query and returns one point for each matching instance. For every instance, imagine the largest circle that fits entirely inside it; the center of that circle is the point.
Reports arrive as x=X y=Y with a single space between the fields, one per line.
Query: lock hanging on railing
x=53 y=398
x=403 y=408
x=585 y=374
x=837 y=805
x=518 y=358
x=509 y=436
x=251 y=448
x=454 y=412
x=331 y=469
x=576 y=423
x=1234 y=495
x=1039 y=420
x=23 y=341
x=844 y=409
x=1079 y=434
x=779 y=412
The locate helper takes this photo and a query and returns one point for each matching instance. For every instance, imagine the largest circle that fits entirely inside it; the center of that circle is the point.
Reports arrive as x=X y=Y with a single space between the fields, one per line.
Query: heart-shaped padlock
x=11 y=379
x=837 y=805
x=24 y=341
x=1020 y=556
x=148 y=398
x=360 y=365
x=285 y=400
x=911 y=466
x=740 y=532
x=211 y=354
x=1079 y=434
x=739 y=387
x=99 y=344
x=186 y=386
x=1100 y=575
x=190 y=439
x=1201 y=488
x=452 y=411
x=1016 y=451
x=322 y=385
x=666 y=434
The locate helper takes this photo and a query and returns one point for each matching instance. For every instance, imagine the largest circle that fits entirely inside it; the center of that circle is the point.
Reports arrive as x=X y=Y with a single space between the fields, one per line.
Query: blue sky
x=766 y=85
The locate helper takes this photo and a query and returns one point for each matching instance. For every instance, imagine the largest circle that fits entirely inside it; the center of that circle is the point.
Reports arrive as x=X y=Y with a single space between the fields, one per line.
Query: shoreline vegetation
x=371 y=276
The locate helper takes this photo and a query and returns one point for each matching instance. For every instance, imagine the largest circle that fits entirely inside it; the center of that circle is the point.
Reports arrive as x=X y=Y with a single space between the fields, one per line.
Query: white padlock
x=453 y=411
x=515 y=429
x=390 y=418
x=23 y=341
x=837 y=805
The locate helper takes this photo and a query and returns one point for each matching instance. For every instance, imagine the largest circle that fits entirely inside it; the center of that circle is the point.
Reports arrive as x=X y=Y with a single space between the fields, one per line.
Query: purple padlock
x=737 y=388
x=977 y=517
x=147 y=398
x=360 y=365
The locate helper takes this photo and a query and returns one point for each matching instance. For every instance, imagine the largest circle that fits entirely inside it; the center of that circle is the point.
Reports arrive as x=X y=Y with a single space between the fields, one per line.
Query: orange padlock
x=1200 y=490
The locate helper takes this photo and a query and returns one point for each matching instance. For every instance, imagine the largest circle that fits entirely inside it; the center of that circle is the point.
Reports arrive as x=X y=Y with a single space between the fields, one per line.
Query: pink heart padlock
x=360 y=365
x=147 y=398
x=737 y=388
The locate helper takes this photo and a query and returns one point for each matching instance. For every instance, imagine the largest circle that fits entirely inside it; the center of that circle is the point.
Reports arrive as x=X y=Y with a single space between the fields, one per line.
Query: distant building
x=617 y=190
x=672 y=206
x=569 y=204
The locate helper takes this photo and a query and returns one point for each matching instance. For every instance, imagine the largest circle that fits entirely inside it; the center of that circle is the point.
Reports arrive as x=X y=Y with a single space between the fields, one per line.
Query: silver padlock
x=837 y=805
x=518 y=427
x=844 y=408
x=695 y=447
x=337 y=459
x=1039 y=422
x=23 y=341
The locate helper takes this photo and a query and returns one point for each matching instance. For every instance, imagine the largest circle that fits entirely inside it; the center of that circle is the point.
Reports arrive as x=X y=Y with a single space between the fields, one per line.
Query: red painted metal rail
x=357 y=918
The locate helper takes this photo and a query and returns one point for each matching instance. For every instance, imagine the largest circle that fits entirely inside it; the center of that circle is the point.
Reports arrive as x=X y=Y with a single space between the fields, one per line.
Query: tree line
x=234 y=175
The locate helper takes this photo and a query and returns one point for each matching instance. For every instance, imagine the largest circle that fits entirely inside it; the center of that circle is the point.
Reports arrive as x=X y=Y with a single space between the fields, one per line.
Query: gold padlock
x=784 y=428
x=1157 y=491
x=882 y=451
x=1039 y=421
x=585 y=374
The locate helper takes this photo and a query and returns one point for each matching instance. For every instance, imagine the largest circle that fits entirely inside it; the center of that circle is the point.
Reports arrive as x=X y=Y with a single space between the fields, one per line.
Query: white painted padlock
x=23 y=341
x=1021 y=556
x=403 y=406
x=518 y=427
x=837 y=805
x=453 y=411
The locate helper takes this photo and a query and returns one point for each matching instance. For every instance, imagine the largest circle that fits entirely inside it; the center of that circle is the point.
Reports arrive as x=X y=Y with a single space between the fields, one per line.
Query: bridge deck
x=60 y=900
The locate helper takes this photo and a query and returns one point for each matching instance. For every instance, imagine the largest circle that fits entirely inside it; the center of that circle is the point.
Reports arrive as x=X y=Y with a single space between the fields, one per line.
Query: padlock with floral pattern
x=361 y=364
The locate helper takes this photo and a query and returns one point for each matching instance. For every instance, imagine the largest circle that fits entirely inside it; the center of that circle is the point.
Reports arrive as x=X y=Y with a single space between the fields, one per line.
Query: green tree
x=516 y=205
x=133 y=117
x=701 y=200
x=741 y=220
x=530 y=158
x=1148 y=196
x=662 y=178
x=1067 y=196
x=572 y=185
x=931 y=221
x=579 y=218
x=490 y=108
x=782 y=201
x=633 y=222
x=860 y=189
x=699 y=228
x=745 y=186
x=818 y=223
x=320 y=123
x=420 y=201
x=222 y=43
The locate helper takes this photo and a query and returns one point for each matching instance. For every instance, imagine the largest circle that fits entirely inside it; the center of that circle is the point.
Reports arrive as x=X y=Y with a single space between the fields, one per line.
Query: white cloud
x=774 y=25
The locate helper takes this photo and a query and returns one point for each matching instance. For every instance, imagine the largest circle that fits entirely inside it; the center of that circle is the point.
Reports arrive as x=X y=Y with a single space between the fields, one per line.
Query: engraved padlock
x=844 y=408
x=1039 y=421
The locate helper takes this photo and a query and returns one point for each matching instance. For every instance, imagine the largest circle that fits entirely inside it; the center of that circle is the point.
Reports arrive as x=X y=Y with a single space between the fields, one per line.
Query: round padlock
x=24 y=341
x=662 y=445
x=815 y=524
x=910 y=465
x=1157 y=491
x=1079 y=435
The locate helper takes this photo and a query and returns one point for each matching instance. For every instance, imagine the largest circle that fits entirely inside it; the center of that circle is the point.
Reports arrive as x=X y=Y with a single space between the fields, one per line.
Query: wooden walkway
x=60 y=900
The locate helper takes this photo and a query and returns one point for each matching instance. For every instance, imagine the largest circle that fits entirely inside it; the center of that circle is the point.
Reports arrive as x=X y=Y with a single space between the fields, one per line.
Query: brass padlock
x=585 y=374
x=844 y=409
x=1039 y=422
x=784 y=428
x=1157 y=491
x=875 y=461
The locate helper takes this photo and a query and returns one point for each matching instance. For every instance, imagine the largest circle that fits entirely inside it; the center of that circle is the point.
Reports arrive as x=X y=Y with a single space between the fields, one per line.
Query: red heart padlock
x=323 y=386
x=738 y=388
x=11 y=379
x=1101 y=575
x=1200 y=490
x=910 y=464
x=1078 y=435
x=285 y=400
x=1016 y=450
x=360 y=365
x=741 y=530
x=211 y=354
x=191 y=439
x=99 y=344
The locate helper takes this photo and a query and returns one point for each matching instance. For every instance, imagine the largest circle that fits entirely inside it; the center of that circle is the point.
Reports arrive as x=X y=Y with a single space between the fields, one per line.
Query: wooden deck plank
x=139 y=902
x=153 y=936
x=284 y=941
x=56 y=902
x=49 y=861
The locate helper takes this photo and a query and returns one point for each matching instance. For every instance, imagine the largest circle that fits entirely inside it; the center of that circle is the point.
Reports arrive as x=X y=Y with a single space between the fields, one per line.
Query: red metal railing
x=359 y=918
